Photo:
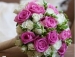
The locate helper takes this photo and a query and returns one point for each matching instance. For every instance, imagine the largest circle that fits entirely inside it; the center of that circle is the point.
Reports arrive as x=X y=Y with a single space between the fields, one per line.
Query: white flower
x=48 y=51
x=50 y=11
x=28 y=24
x=55 y=55
x=57 y=45
x=61 y=18
x=23 y=48
x=30 y=46
x=38 y=31
x=37 y=17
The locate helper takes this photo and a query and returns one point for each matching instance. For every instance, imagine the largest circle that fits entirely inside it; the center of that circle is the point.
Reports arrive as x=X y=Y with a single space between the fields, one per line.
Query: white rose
x=28 y=24
x=38 y=31
x=30 y=46
x=55 y=55
x=61 y=18
x=48 y=51
x=57 y=45
x=50 y=11
x=23 y=48
x=37 y=17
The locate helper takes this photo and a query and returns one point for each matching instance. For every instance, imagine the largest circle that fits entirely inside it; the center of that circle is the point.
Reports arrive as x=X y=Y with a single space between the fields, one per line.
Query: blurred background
x=66 y=5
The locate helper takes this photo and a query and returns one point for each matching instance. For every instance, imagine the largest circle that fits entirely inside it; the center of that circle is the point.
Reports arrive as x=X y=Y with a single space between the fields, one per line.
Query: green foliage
x=52 y=15
x=66 y=17
x=50 y=29
x=24 y=29
x=60 y=11
x=17 y=24
x=43 y=56
x=45 y=4
x=61 y=27
x=68 y=41
x=36 y=26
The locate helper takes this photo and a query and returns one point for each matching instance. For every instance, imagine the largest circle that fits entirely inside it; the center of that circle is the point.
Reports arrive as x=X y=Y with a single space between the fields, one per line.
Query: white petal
x=48 y=51
x=61 y=18
x=38 y=31
x=23 y=48
x=55 y=55
x=50 y=11
x=30 y=46
x=57 y=45
x=37 y=17
x=28 y=24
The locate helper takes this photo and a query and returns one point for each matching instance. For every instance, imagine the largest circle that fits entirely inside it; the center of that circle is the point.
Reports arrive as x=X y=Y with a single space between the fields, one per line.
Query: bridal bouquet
x=43 y=30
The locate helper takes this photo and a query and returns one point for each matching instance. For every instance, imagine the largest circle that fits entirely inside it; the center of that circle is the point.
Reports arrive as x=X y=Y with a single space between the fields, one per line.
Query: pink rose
x=54 y=8
x=27 y=37
x=52 y=37
x=49 y=22
x=41 y=45
x=35 y=8
x=65 y=35
x=22 y=16
x=62 y=50
x=69 y=33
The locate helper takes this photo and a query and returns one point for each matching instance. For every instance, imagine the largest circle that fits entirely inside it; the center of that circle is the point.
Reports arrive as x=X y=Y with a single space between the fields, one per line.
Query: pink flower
x=54 y=8
x=62 y=50
x=65 y=35
x=22 y=16
x=35 y=8
x=49 y=22
x=41 y=45
x=52 y=37
x=27 y=37
x=69 y=33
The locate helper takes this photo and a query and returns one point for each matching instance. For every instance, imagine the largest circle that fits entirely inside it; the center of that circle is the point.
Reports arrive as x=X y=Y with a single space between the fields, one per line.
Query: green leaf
x=50 y=29
x=52 y=15
x=36 y=26
x=61 y=27
x=45 y=4
x=66 y=16
x=68 y=41
x=60 y=11
x=24 y=29
x=44 y=32
x=17 y=24
x=43 y=56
